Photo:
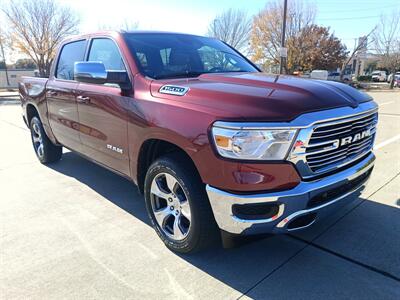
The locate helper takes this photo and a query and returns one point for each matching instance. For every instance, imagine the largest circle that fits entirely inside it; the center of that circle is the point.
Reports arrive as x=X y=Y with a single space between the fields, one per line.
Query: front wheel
x=178 y=206
x=45 y=150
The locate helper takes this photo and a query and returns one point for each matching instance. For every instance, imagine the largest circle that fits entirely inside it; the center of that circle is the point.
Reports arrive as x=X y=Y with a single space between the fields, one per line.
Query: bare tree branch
x=387 y=43
x=37 y=28
x=362 y=45
x=2 y=52
x=267 y=29
x=233 y=27
x=126 y=24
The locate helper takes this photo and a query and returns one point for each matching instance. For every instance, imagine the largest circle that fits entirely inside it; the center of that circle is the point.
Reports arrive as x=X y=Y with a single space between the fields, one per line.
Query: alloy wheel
x=37 y=140
x=170 y=206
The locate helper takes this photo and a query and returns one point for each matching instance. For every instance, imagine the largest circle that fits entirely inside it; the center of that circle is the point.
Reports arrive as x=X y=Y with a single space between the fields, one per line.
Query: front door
x=102 y=112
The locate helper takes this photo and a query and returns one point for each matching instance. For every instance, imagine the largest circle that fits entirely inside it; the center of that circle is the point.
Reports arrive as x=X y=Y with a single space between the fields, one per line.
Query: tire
x=45 y=150
x=185 y=223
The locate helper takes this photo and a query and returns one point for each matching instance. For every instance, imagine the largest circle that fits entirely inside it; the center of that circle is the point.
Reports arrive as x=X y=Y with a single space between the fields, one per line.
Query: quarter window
x=70 y=54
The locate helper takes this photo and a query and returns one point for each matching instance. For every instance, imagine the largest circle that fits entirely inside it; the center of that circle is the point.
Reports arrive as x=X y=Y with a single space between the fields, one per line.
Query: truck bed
x=32 y=87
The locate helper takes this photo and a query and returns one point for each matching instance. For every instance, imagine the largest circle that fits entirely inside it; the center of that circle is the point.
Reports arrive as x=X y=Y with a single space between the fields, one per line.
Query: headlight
x=253 y=144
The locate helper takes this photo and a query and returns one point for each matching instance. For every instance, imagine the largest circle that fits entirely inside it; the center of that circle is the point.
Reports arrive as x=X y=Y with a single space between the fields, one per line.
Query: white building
x=14 y=76
x=357 y=65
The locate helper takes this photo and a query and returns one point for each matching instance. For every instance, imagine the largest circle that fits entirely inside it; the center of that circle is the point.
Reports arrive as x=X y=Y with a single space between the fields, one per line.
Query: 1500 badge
x=173 y=90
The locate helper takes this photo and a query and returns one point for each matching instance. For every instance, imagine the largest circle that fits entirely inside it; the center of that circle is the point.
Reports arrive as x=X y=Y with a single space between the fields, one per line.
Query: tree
x=126 y=24
x=387 y=43
x=233 y=27
x=3 y=65
x=359 y=49
x=25 y=63
x=315 y=48
x=266 y=33
x=37 y=27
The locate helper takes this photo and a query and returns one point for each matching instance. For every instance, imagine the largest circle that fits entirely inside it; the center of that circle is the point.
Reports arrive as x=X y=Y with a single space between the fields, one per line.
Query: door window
x=106 y=51
x=70 y=53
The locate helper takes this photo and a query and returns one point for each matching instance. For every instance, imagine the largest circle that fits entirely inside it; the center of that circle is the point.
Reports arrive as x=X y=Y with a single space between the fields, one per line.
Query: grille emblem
x=355 y=138
x=329 y=145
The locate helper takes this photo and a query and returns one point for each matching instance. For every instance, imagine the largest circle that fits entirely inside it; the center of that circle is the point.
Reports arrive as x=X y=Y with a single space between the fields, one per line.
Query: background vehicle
x=378 y=76
x=335 y=76
x=389 y=78
x=211 y=142
x=319 y=74
x=306 y=74
x=397 y=80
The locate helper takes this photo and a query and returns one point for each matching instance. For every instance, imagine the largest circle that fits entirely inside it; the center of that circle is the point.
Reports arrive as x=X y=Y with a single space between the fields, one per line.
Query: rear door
x=102 y=111
x=61 y=95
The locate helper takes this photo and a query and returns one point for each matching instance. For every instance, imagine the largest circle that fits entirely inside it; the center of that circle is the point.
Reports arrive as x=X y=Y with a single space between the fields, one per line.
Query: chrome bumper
x=292 y=203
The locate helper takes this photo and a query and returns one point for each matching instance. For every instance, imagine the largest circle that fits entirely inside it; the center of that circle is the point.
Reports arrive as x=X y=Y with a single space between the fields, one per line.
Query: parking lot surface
x=76 y=230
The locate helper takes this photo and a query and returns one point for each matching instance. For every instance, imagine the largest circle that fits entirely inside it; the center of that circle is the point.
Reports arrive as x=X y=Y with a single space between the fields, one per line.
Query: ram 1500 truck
x=214 y=144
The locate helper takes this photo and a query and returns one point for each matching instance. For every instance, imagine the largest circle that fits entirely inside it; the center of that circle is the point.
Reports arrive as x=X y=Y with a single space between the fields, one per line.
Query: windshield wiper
x=193 y=74
x=179 y=75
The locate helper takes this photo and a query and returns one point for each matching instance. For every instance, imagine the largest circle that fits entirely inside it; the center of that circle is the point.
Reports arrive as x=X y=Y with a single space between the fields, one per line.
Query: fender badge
x=116 y=149
x=173 y=90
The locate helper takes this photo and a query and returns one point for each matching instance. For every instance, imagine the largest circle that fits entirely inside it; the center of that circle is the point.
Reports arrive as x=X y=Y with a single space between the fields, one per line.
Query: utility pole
x=216 y=33
x=283 y=50
x=4 y=59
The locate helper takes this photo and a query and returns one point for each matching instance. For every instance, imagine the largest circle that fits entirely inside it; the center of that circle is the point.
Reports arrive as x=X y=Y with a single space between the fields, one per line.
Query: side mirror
x=95 y=72
x=90 y=72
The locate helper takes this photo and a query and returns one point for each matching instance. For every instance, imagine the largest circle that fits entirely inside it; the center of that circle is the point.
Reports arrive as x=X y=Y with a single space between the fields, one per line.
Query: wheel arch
x=150 y=150
x=31 y=111
x=40 y=111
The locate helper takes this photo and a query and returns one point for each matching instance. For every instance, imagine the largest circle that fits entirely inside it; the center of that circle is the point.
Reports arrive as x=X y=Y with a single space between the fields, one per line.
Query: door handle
x=52 y=93
x=82 y=99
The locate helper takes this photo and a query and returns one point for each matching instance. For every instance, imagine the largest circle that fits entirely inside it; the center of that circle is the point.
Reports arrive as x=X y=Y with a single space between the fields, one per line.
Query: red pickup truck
x=214 y=144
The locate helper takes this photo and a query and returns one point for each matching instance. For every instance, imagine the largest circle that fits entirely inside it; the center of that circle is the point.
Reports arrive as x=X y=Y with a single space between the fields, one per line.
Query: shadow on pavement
x=369 y=234
x=113 y=187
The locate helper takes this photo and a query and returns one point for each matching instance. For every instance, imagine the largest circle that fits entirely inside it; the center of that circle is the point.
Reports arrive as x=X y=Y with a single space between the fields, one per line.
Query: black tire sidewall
x=51 y=152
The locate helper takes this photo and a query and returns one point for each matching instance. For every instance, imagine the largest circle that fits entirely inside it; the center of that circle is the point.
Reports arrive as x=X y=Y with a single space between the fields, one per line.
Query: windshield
x=168 y=55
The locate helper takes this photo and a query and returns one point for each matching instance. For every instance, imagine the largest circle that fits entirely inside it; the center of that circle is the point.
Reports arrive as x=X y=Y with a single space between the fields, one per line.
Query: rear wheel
x=178 y=206
x=45 y=150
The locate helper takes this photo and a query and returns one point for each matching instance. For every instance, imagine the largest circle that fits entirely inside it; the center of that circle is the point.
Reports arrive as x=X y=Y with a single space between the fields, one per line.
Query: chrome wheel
x=170 y=206
x=37 y=140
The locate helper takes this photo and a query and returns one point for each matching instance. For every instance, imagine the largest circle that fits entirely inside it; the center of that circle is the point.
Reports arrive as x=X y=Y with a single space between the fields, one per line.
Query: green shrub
x=364 y=78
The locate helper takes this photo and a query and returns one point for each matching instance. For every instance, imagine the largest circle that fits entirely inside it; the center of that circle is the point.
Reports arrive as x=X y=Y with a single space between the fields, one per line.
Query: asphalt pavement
x=73 y=230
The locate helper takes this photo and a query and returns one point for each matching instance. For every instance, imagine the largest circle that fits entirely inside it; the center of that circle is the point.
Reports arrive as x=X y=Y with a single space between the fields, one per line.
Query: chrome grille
x=326 y=150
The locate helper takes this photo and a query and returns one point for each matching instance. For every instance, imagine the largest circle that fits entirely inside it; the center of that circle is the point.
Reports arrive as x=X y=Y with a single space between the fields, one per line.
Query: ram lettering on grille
x=337 y=143
x=355 y=138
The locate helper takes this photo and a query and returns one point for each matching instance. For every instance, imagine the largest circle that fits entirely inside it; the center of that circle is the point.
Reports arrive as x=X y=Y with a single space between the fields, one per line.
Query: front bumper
x=293 y=204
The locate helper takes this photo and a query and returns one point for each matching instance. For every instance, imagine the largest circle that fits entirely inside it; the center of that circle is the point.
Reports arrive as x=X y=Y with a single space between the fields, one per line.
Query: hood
x=261 y=97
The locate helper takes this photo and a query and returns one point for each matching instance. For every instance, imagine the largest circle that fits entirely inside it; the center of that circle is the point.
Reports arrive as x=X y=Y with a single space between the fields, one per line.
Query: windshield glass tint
x=167 y=55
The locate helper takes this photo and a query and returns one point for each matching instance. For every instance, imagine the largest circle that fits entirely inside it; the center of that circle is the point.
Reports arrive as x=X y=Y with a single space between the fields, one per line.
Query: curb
x=380 y=91
x=9 y=100
x=9 y=96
